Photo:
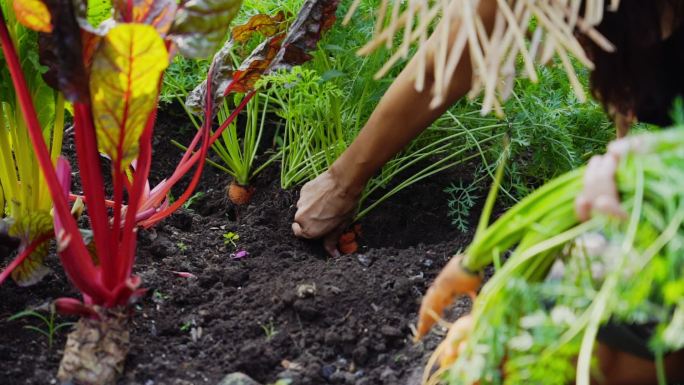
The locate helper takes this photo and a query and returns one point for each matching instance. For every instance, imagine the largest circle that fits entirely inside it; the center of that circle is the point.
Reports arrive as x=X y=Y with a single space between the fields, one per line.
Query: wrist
x=348 y=176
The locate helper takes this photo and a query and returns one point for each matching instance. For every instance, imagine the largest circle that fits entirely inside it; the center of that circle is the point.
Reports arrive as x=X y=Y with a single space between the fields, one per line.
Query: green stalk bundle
x=536 y=320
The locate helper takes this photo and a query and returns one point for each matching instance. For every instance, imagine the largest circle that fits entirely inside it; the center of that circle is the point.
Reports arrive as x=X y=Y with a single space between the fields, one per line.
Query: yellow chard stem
x=58 y=129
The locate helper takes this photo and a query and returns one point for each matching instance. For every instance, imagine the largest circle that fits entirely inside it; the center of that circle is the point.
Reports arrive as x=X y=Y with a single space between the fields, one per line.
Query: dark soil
x=285 y=311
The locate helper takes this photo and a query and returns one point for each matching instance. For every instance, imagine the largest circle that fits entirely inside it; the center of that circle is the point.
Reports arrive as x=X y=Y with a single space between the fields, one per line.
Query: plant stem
x=78 y=264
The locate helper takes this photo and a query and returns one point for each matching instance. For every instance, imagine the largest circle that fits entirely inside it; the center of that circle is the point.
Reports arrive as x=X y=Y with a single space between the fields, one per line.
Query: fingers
x=608 y=205
x=324 y=210
x=621 y=147
x=331 y=239
x=600 y=193
x=582 y=208
x=330 y=244
x=298 y=231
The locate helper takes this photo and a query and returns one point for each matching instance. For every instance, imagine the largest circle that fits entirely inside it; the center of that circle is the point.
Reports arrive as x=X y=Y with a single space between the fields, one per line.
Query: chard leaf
x=157 y=13
x=124 y=85
x=33 y=14
x=29 y=228
x=222 y=64
x=201 y=26
x=221 y=76
x=98 y=11
x=61 y=52
x=315 y=17
x=256 y=64
x=265 y=24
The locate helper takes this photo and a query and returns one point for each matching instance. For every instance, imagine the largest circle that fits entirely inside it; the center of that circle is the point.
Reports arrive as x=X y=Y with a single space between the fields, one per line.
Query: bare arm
x=328 y=202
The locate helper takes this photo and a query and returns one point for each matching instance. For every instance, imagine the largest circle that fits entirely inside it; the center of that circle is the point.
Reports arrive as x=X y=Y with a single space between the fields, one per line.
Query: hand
x=600 y=191
x=324 y=210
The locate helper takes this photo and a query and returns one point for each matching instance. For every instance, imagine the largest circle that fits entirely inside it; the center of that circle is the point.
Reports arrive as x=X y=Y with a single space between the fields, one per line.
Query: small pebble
x=390 y=332
x=326 y=371
x=306 y=290
x=238 y=378
x=364 y=260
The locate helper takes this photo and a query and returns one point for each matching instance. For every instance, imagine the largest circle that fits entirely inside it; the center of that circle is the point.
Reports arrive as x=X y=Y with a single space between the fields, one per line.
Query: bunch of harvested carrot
x=541 y=311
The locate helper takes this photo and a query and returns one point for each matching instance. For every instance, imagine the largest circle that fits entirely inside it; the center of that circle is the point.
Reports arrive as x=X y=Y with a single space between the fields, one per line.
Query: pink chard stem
x=75 y=257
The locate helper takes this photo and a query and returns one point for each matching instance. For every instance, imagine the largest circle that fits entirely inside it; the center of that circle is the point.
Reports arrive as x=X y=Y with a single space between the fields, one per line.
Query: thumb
x=298 y=231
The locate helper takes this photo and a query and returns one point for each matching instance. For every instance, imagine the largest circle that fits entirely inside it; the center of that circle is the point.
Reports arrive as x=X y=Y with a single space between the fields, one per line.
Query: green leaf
x=25 y=314
x=201 y=26
x=98 y=11
x=124 y=85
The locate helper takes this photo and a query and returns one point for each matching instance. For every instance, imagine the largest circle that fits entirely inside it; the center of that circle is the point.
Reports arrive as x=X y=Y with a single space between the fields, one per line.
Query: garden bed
x=284 y=311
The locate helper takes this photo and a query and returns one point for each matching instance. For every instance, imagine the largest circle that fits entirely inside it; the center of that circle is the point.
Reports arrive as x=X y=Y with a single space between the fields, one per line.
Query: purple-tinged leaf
x=315 y=17
x=62 y=53
x=222 y=76
x=201 y=26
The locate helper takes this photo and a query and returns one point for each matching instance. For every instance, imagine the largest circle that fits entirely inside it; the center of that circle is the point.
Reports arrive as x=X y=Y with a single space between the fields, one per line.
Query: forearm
x=402 y=114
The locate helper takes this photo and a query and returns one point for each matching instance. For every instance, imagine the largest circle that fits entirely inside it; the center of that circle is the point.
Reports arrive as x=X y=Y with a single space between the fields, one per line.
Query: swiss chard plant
x=25 y=202
x=281 y=49
x=111 y=74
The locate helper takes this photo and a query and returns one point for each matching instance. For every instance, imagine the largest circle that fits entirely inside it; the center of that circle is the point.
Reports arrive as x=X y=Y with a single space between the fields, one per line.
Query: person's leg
x=621 y=368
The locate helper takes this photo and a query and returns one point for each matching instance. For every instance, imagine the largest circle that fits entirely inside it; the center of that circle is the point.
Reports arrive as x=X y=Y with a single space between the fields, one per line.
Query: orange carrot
x=347 y=243
x=347 y=237
x=348 y=248
x=451 y=282
x=239 y=194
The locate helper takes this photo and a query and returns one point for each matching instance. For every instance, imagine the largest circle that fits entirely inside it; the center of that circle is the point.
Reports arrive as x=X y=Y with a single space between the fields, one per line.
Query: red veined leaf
x=221 y=77
x=31 y=229
x=157 y=13
x=255 y=65
x=264 y=24
x=201 y=25
x=315 y=17
x=33 y=14
x=61 y=52
x=23 y=256
x=124 y=84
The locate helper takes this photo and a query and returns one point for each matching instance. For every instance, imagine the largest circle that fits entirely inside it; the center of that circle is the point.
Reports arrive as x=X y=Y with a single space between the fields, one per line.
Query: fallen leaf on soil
x=184 y=274
x=240 y=254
